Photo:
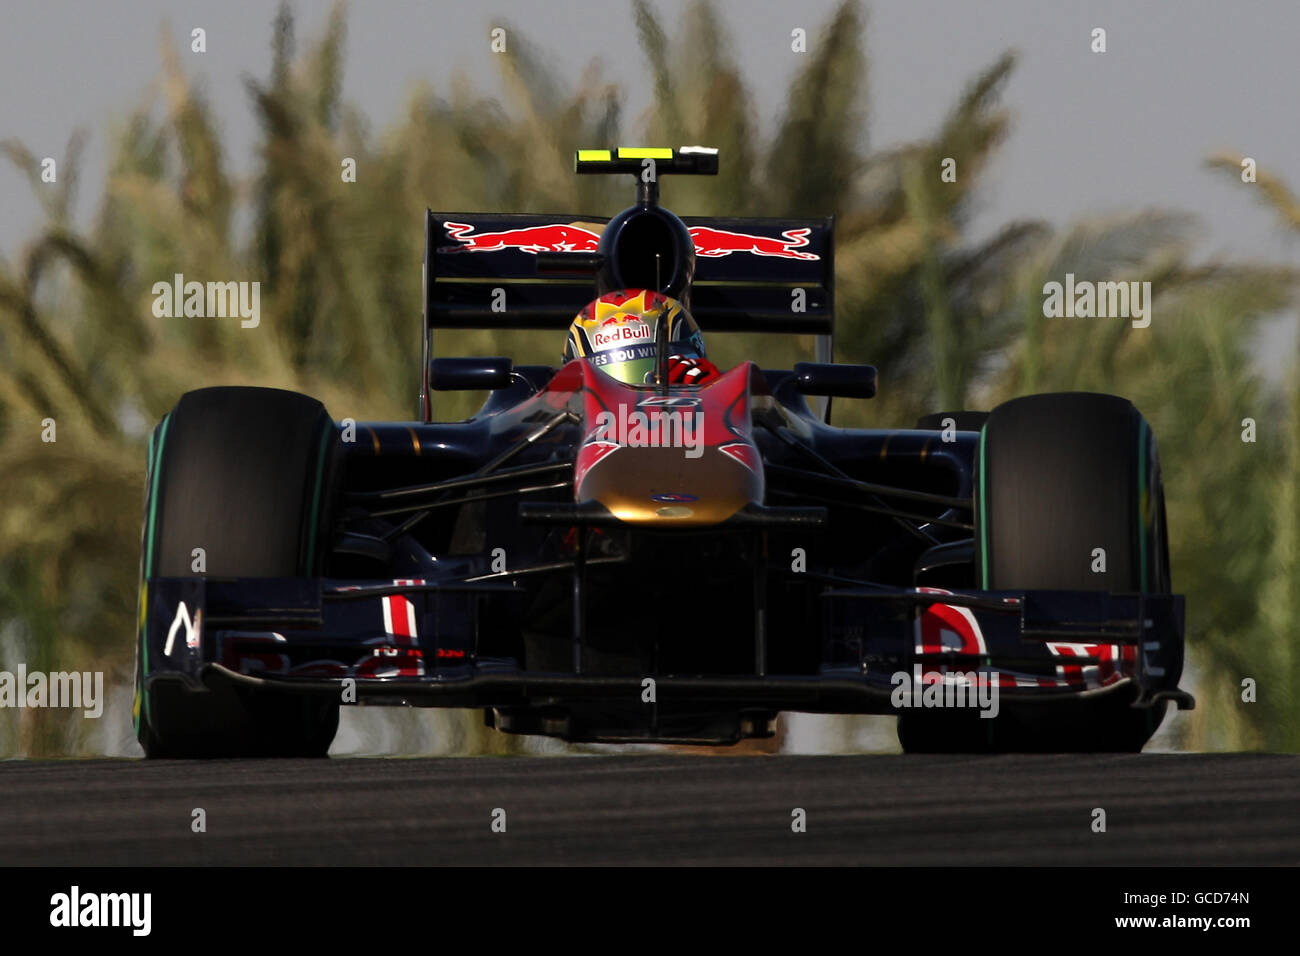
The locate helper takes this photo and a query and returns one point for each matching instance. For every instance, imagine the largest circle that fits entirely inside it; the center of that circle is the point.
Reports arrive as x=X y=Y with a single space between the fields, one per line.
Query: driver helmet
x=616 y=333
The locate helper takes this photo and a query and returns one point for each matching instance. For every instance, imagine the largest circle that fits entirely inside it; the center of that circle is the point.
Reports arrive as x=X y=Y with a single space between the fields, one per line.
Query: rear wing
x=751 y=275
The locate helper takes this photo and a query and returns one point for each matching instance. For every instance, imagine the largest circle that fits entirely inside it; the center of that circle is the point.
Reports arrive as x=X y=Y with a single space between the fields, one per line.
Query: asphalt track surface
x=1161 y=809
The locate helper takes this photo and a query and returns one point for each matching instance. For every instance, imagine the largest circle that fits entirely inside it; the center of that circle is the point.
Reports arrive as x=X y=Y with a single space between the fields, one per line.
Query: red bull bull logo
x=715 y=243
x=566 y=237
x=559 y=237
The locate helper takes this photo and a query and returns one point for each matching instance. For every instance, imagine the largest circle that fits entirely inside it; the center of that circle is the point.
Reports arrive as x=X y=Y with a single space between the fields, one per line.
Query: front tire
x=244 y=474
x=1060 y=476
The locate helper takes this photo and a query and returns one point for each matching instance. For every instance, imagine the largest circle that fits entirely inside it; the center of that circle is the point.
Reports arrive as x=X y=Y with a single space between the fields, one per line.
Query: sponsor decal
x=193 y=628
x=941 y=629
x=673 y=498
x=620 y=331
x=944 y=628
x=567 y=237
x=1116 y=661
x=669 y=401
x=559 y=237
x=399 y=617
x=715 y=243
x=614 y=356
x=399 y=621
x=948 y=629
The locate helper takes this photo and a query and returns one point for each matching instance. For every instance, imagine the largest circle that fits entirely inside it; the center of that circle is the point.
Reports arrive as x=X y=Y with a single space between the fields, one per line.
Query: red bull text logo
x=621 y=331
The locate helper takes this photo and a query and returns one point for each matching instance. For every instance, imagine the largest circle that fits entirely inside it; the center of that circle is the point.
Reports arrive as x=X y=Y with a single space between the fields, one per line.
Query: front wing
x=415 y=642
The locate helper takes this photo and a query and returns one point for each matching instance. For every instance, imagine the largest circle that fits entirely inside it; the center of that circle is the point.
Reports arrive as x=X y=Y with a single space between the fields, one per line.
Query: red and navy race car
x=638 y=546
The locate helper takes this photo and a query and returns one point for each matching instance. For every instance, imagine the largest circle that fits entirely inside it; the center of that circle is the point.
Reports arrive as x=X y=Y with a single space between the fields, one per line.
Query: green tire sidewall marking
x=143 y=597
x=153 y=497
x=1142 y=502
x=315 y=498
x=981 y=521
x=1143 y=433
x=982 y=517
x=155 y=460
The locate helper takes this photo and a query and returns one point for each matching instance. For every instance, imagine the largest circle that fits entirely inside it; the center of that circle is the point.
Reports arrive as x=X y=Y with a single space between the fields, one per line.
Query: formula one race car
x=636 y=546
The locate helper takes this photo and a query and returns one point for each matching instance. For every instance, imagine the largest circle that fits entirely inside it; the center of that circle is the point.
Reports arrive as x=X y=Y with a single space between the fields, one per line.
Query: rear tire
x=245 y=474
x=1059 y=476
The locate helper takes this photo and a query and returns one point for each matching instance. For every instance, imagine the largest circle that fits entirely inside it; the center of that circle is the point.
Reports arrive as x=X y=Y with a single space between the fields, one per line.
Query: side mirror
x=469 y=374
x=838 y=381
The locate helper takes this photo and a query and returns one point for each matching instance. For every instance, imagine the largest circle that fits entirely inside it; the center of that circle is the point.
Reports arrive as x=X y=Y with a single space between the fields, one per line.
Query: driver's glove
x=690 y=371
